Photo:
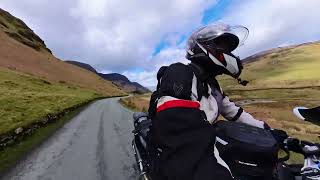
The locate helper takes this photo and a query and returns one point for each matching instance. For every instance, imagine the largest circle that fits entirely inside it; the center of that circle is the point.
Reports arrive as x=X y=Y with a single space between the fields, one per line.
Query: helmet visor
x=213 y=31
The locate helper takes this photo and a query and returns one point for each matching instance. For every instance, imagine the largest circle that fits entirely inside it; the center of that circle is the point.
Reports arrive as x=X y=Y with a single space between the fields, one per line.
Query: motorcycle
x=309 y=170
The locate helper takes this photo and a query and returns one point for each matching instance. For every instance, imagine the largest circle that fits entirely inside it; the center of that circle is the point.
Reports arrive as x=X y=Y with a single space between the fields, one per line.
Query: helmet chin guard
x=216 y=42
x=230 y=63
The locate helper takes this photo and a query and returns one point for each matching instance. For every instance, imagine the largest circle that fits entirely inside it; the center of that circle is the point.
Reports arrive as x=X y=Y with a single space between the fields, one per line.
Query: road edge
x=17 y=152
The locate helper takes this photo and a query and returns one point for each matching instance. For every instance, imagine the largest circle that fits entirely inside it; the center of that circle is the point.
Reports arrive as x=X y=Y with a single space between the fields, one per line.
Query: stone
x=18 y=130
x=5 y=138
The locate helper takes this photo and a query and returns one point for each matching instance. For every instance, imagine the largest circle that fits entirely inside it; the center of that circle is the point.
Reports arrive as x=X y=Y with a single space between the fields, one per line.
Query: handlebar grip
x=280 y=136
x=293 y=144
x=302 y=147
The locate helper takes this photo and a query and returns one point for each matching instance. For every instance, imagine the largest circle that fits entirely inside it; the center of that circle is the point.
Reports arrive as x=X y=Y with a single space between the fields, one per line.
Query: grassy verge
x=9 y=156
x=25 y=99
x=136 y=103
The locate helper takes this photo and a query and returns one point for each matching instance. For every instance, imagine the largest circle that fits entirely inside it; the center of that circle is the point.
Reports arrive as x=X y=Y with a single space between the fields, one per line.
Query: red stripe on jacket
x=178 y=104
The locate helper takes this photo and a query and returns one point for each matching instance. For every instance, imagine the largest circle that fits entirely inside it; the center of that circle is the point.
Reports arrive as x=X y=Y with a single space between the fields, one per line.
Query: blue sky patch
x=161 y=45
x=215 y=12
x=212 y=14
x=164 y=44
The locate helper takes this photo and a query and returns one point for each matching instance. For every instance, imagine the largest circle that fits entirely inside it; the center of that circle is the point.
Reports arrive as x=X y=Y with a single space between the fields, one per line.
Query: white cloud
x=118 y=36
x=274 y=23
x=126 y=33
x=164 y=58
x=109 y=34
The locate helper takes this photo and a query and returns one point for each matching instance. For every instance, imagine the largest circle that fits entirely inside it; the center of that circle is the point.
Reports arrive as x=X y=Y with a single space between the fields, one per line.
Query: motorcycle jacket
x=188 y=86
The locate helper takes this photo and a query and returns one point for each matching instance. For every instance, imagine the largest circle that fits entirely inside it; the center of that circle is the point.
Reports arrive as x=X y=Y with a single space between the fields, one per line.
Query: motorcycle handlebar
x=293 y=144
x=302 y=147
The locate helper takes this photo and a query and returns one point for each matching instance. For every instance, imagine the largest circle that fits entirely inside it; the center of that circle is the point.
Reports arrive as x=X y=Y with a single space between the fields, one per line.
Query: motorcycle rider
x=189 y=100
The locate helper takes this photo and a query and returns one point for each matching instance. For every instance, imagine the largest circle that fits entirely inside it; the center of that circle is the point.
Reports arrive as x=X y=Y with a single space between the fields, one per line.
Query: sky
x=135 y=38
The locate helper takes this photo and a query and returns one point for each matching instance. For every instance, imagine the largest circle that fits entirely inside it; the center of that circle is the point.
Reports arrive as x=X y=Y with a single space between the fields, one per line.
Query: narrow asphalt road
x=95 y=145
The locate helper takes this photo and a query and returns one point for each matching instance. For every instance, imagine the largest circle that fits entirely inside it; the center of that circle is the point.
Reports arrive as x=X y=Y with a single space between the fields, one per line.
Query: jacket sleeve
x=232 y=112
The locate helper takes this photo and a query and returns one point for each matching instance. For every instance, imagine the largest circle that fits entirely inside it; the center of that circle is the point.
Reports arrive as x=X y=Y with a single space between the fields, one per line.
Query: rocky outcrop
x=18 y=30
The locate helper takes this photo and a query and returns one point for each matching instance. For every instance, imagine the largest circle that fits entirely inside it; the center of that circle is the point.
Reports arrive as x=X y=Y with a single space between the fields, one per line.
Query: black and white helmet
x=212 y=46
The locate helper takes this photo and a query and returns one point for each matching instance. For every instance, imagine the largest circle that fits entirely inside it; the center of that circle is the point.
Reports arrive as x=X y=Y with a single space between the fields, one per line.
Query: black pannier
x=247 y=150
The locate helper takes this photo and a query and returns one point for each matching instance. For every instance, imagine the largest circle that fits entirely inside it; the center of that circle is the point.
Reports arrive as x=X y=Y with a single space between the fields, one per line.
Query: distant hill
x=140 y=86
x=258 y=55
x=118 y=79
x=152 y=88
x=285 y=67
x=83 y=65
x=124 y=83
x=115 y=77
x=23 y=51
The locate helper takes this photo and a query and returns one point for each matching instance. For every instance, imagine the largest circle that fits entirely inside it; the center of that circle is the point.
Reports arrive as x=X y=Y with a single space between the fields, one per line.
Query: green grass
x=25 y=99
x=9 y=156
x=305 y=94
x=136 y=102
x=291 y=67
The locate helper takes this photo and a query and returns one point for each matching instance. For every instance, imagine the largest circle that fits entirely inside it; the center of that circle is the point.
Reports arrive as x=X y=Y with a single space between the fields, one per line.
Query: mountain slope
x=18 y=30
x=124 y=83
x=16 y=56
x=140 y=86
x=292 y=66
x=83 y=65
x=34 y=83
x=115 y=77
x=34 y=58
x=25 y=99
x=118 y=79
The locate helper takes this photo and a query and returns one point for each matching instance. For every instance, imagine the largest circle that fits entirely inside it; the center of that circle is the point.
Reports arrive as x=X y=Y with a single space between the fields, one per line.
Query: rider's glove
x=294 y=145
x=280 y=136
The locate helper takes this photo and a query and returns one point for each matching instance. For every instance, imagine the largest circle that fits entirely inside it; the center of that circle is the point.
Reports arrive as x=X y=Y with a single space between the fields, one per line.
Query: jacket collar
x=202 y=73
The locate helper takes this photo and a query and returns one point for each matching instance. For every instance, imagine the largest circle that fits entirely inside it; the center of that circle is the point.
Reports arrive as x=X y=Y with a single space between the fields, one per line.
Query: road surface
x=95 y=145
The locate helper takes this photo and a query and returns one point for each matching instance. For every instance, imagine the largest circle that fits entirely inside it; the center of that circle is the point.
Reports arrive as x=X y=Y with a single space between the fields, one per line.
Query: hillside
x=33 y=58
x=83 y=65
x=118 y=79
x=25 y=98
x=290 y=67
x=274 y=50
x=34 y=83
x=18 y=30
